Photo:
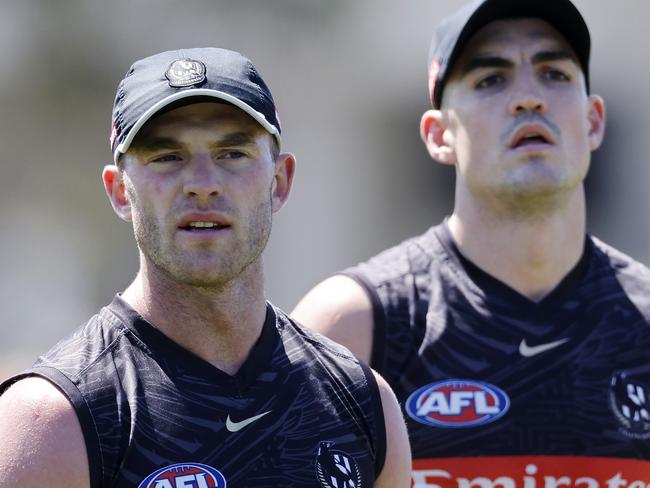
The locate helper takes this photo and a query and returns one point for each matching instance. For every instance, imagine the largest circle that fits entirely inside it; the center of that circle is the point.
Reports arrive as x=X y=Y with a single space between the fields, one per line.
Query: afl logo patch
x=185 y=475
x=185 y=72
x=336 y=469
x=457 y=403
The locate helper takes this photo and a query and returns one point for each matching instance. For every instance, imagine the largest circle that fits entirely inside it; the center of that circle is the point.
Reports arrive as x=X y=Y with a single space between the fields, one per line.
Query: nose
x=203 y=178
x=527 y=97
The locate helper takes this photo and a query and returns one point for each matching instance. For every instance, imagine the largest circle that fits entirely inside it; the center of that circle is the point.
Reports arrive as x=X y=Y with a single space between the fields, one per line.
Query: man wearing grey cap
x=190 y=378
x=517 y=343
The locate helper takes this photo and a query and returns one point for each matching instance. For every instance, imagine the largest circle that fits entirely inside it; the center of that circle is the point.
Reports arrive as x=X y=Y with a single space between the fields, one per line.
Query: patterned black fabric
x=146 y=404
x=574 y=368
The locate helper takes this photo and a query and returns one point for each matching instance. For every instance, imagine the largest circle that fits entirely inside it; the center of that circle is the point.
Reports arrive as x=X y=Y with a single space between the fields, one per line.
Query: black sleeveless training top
x=499 y=390
x=301 y=412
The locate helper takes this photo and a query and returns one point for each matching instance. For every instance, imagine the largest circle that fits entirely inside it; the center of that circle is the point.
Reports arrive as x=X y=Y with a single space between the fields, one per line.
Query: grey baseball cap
x=173 y=78
x=452 y=33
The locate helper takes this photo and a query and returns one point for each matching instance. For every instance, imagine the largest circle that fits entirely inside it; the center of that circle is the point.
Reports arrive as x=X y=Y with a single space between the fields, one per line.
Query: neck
x=531 y=254
x=220 y=325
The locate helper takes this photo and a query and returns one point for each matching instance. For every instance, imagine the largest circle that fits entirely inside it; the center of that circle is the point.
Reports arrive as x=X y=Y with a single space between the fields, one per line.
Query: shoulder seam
x=123 y=330
x=316 y=343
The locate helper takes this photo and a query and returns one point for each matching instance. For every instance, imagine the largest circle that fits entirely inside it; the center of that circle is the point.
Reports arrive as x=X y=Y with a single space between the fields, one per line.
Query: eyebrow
x=151 y=144
x=237 y=139
x=486 y=62
x=555 y=55
x=499 y=62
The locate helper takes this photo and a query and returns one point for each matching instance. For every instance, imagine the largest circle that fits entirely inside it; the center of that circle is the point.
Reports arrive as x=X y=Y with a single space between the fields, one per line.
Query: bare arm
x=340 y=309
x=42 y=442
x=397 y=468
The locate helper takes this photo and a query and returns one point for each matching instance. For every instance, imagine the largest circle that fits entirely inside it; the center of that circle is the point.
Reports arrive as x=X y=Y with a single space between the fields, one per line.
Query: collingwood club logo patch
x=185 y=475
x=628 y=398
x=336 y=469
x=185 y=72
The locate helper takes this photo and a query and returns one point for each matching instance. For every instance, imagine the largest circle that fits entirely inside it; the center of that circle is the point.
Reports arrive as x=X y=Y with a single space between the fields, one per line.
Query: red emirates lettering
x=531 y=472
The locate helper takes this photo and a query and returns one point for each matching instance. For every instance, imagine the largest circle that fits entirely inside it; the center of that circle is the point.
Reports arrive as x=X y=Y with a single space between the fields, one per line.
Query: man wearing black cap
x=517 y=344
x=189 y=378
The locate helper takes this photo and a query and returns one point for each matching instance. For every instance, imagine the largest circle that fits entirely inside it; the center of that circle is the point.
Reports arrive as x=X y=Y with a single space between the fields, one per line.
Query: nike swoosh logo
x=236 y=426
x=529 y=351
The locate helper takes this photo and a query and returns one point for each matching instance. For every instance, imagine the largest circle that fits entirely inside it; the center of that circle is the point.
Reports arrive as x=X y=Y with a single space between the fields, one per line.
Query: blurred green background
x=349 y=80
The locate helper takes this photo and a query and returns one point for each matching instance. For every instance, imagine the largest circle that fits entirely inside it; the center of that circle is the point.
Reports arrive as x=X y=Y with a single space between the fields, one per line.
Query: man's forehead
x=214 y=117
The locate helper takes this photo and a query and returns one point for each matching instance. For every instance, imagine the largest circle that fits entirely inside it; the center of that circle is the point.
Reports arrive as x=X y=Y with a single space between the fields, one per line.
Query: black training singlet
x=301 y=412
x=500 y=391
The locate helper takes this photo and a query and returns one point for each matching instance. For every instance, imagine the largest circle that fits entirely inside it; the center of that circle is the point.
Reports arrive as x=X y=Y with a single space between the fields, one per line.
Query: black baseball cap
x=452 y=34
x=173 y=78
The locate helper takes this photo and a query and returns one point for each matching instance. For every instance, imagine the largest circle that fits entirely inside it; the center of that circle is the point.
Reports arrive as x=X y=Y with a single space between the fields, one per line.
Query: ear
x=436 y=137
x=596 y=118
x=116 y=191
x=285 y=167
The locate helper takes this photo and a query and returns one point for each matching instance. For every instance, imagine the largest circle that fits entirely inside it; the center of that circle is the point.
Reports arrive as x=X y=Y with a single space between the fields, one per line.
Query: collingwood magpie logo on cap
x=185 y=72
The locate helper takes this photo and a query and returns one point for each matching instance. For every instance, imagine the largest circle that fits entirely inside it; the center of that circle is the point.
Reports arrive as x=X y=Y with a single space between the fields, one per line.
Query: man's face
x=516 y=116
x=200 y=180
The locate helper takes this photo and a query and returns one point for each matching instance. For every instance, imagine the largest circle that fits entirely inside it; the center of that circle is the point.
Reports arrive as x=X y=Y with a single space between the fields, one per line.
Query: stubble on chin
x=200 y=268
x=530 y=201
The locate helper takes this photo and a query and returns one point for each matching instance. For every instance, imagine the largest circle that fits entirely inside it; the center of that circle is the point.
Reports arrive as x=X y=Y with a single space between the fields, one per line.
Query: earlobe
x=285 y=167
x=596 y=119
x=116 y=191
x=436 y=137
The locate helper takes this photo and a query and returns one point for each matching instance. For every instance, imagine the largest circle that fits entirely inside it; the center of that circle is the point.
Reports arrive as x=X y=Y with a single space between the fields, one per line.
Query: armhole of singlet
x=378 y=319
x=70 y=390
x=377 y=411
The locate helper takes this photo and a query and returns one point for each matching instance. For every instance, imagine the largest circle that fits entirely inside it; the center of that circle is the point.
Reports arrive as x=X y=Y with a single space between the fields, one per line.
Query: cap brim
x=123 y=147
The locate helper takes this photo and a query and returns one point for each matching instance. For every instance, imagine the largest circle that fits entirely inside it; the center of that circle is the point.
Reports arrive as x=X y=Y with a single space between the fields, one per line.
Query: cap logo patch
x=185 y=72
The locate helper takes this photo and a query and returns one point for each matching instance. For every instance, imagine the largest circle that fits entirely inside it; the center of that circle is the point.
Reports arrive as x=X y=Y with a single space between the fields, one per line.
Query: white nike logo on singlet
x=529 y=351
x=236 y=426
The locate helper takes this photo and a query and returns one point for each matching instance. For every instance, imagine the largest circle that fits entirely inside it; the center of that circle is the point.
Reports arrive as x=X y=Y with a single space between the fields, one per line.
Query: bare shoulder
x=397 y=468
x=339 y=308
x=42 y=442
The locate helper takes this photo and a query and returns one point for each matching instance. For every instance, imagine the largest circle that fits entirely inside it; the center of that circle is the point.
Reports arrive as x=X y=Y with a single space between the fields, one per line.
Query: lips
x=203 y=225
x=531 y=135
x=203 y=222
